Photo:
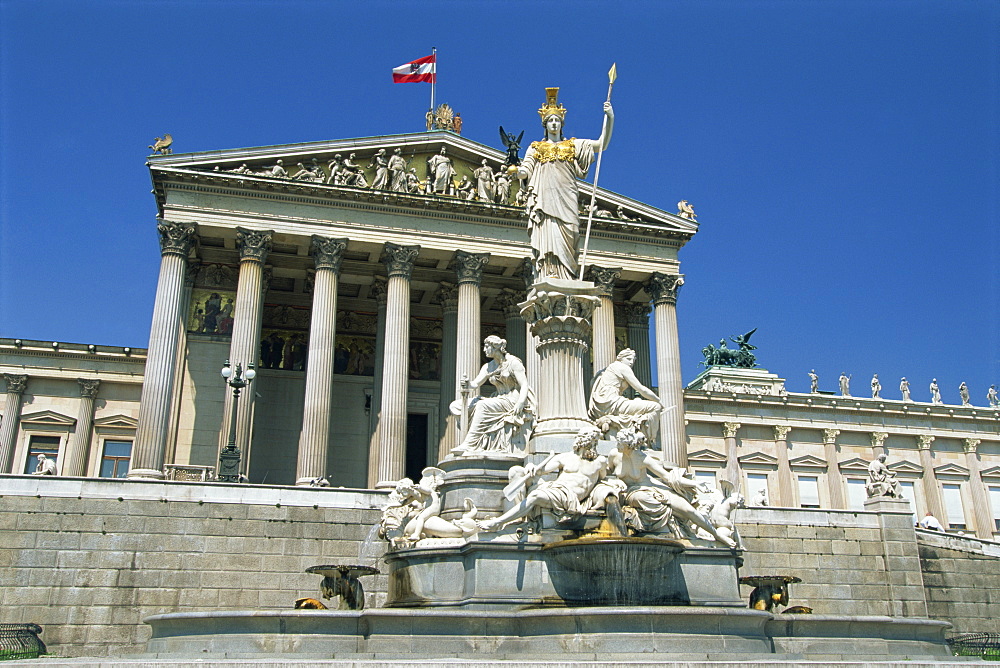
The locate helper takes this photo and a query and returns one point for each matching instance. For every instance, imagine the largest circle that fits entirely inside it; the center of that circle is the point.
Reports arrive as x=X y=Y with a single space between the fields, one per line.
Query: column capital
x=253 y=245
x=327 y=253
x=970 y=444
x=729 y=429
x=604 y=278
x=663 y=288
x=469 y=266
x=398 y=260
x=637 y=313
x=379 y=290
x=781 y=432
x=878 y=438
x=16 y=383
x=830 y=435
x=447 y=295
x=88 y=387
x=508 y=301
x=175 y=238
x=526 y=272
x=924 y=441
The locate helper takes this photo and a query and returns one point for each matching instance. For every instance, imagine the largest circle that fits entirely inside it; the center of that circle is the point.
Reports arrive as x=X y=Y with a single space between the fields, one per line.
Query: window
x=856 y=493
x=906 y=487
x=808 y=491
x=995 y=502
x=41 y=445
x=114 y=463
x=755 y=483
x=707 y=477
x=953 y=508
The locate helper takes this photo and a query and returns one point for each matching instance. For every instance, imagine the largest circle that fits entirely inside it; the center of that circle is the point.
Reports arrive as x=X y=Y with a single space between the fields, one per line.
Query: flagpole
x=434 y=79
x=612 y=75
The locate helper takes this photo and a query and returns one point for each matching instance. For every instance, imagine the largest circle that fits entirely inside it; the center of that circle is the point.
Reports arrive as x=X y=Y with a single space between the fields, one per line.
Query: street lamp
x=229 y=458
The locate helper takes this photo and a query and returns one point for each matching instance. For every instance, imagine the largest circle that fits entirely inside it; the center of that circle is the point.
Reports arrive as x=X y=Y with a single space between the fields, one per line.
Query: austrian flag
x=421 y=69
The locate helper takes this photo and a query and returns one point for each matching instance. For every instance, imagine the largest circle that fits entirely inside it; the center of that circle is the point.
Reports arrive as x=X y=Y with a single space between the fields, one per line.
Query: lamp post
x=229 y=458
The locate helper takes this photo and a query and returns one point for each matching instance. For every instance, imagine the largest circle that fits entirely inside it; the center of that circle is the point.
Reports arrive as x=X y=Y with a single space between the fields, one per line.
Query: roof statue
x=162 y=146
x=513 y=145
x=686 y=210
x=741 y=357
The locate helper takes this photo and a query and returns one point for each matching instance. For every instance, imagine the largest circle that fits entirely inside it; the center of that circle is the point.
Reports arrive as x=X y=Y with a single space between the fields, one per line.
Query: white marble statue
x=935 y=392
x=501 y=423
x=656 y=498
x=353 y=174
x=904 y=389
x=760 y=498
x=992 y=397
x=845 y=385
x=882 y=481
x=465 y=189
x=552 y=166
x=813 y=382
x=413 y=185
x=575 y=490
x=502 y=190
x=414 y=510
x=612 y=411
x=397 y=172
x=963 y=391
x=45 y=466
x=720 y=505
x=686 y=210
x=278 y=171
x=381 y=165
x=440 y=173
x=876 y=387
x=485 y=183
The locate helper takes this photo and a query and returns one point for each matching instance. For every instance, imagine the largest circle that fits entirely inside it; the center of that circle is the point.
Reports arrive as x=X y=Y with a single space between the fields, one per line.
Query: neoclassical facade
x=362 y=308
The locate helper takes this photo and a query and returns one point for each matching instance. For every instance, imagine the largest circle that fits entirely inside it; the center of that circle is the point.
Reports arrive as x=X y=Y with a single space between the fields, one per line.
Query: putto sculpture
x=741 y=357
x=552 y=166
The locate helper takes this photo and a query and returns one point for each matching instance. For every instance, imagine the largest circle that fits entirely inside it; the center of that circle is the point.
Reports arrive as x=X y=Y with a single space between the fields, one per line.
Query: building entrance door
x=416 y=444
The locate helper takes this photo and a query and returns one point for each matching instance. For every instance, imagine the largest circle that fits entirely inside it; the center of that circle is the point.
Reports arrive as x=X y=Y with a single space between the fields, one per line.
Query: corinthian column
x=508 y=301
x=161 y=359
x=79 y=443
x=314 y=439
x=729 y=430
x=16 y=383
x=663 y=289
x=785 y=481
x=932 y=492
x=878 y=444
x=603 y=351
x=244 y=348
x=834 y=479
x=637 y=322
x=980 y=499
x=469 y=272
x=377 y=291
x=447 y=295
x=389 y=461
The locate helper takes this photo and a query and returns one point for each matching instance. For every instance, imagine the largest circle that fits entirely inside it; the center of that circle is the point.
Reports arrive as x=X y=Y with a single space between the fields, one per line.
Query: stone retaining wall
x=962 y=578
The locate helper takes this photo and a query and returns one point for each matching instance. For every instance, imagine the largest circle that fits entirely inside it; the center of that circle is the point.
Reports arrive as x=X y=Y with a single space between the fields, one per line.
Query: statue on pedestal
x=876 y=387
x=813 y=382
x=882 y=481
x=397 y=172
x=440 y=173
x=904 y=389
x=552 y=166
x=935 y=392
x=845 y=385
x=963 y=391
x=612 y=411
x=501 y=423
x=992 y=397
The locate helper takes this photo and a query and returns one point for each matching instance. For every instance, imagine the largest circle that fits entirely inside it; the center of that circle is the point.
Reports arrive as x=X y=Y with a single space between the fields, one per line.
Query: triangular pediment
x=48 y=418
x=854 y=465
x=951 y=469
x=758 y=459
x=123 y=421
x=808 y=461
x=707 y=457
x=906 y=467
x=306 y=169
x=991 y=472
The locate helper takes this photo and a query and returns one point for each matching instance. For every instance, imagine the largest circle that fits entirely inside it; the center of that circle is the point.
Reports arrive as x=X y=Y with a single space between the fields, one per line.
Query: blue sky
x=842 y=156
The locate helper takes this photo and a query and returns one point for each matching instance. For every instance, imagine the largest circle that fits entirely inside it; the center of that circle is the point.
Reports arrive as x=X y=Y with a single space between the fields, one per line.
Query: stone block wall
x=962 y=578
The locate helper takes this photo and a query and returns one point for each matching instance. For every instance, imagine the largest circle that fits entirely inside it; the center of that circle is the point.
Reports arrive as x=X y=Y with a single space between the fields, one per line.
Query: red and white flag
x=421 y=69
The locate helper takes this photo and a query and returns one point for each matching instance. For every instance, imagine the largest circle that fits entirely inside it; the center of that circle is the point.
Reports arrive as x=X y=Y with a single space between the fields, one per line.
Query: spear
x=612 y=75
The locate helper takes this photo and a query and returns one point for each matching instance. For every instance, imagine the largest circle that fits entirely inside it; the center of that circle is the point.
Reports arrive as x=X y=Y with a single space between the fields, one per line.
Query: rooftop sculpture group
x=741 y=357
x=992 y=397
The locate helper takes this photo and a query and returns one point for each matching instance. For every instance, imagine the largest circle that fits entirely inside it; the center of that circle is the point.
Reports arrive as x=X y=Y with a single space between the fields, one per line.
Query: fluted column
x=532 y=359
x=469 y=273
x=980 y=498
x=447 y=296
x=637 y=323
x=834 y=479
x=603 y=350
x=244 y=348
x=377 y=291
x=507 y=301
x=314 y=439
x=16 y=384
x=150 y=445
x=190 y=277
x=733 y=475
x=663 y=289
x=389 y=461
x=932 y=492
x=75 y=462
x=786 y=483
x=878 y=444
